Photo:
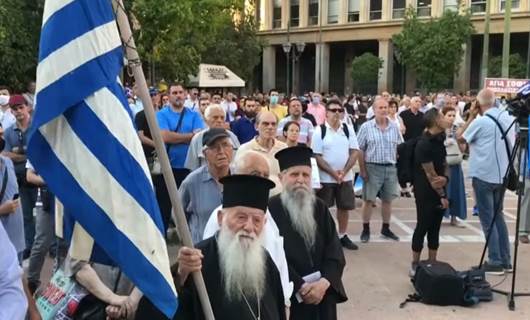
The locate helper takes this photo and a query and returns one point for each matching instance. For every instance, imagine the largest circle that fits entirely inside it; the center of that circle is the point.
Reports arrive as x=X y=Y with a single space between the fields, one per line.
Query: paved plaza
x=376 y=276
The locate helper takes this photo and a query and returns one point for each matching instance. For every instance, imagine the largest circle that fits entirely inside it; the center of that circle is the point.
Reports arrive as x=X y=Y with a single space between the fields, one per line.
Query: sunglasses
x=336 y=110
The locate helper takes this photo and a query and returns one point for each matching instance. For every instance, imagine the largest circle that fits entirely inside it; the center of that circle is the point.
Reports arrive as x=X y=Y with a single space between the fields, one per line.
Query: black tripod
x=521 y=151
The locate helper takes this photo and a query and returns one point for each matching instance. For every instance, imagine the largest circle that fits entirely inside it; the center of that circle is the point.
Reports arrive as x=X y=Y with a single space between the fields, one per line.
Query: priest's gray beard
x=299 y=202
x=243 y=264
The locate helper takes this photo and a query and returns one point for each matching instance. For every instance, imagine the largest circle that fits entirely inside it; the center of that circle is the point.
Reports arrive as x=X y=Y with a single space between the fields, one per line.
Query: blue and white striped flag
x=84 y=144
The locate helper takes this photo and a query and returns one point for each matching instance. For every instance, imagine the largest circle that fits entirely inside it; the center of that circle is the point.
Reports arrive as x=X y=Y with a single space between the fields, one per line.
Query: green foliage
x=19 y=38
x=365 y=71
x=516 y=65
x=433 y=48
x=178 y=35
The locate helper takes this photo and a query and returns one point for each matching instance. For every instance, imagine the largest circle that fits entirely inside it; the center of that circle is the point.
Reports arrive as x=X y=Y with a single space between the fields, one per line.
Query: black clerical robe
x=272 y=306
x=326 y=256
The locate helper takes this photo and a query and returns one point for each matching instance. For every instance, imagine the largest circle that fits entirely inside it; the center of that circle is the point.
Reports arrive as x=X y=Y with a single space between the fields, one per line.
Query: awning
x=216 y=76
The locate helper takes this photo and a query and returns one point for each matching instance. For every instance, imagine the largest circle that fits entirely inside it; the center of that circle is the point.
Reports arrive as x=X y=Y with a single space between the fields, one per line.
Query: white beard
x=242 y=263
x=299 y=203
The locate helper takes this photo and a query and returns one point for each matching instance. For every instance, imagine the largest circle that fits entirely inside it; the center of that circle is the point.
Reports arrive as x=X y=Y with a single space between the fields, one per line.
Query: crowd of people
x=257 y=177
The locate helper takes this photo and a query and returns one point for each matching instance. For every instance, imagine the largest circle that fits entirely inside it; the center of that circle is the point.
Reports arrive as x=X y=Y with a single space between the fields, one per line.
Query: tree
x=178 y=35
x=365 y=71
x=517 y=67
x=19 y=41
x=433 y=48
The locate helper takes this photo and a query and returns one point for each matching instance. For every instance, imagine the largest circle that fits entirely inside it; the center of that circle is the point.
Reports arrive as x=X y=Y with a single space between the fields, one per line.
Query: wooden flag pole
x=177 y=212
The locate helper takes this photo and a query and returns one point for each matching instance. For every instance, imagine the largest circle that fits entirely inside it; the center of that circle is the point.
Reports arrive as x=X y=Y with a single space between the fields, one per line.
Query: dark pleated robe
x=326 y=256
x=272 y=304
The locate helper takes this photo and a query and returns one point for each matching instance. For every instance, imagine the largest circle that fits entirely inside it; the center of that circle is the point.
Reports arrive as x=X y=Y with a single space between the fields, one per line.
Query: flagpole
x=178 y=213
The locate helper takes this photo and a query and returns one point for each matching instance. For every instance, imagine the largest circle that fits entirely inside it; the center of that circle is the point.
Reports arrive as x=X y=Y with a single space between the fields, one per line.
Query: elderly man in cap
x=241 y=278
x=201 y=191
x=312 y=247
x=15 y=148
x=215 y=118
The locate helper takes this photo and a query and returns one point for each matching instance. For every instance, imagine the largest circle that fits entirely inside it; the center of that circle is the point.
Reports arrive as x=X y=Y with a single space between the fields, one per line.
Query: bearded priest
x=312 y=247
x=241 y=279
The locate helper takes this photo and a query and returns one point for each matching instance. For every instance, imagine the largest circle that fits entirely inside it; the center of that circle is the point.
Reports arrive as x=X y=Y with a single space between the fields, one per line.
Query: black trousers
x=429 y=216
x=162 y=195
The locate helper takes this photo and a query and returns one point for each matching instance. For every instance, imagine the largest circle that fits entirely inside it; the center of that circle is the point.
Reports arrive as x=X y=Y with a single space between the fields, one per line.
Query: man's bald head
x=253 y=163
x=486 y=98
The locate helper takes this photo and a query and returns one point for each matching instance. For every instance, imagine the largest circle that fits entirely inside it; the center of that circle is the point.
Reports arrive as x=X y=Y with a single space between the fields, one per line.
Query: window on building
x=478 y=6
x=333 y=11
x=313 y=12
x=424 y=8
x=451 y=5
x=277 y=14
x=398 y=9
x=354 y=9
x=295 y=13
x=515 y=4
x=376 y=9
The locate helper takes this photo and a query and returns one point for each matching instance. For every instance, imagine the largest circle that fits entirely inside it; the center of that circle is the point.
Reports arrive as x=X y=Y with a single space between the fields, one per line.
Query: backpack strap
x=344 y=128
x=411 y=298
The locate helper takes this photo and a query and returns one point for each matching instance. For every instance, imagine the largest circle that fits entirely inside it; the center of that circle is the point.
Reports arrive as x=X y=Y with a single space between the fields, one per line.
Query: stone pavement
x=376 y=276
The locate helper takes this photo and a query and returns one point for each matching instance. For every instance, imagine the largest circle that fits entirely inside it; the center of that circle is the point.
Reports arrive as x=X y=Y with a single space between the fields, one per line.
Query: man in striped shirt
x=378 y=140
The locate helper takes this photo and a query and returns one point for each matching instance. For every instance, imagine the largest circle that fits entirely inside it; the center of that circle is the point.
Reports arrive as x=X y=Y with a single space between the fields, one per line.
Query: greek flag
x=84 y=144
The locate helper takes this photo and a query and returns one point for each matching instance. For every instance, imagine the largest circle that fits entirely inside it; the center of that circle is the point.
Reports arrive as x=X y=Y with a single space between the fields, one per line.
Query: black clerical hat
x=294 y=156
x=213 y=134
x=246 y=191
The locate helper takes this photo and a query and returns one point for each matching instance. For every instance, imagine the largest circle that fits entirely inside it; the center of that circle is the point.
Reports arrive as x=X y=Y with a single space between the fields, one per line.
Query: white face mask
x=4 y=100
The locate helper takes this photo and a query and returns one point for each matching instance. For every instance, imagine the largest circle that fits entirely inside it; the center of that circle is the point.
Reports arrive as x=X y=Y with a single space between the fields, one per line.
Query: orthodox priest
x=241 y=279
x=312 y=247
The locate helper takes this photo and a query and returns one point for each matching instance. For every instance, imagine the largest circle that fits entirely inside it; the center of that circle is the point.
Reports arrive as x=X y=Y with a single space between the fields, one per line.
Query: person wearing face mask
x=316 y=109
x=275 y=106
x=7 y=119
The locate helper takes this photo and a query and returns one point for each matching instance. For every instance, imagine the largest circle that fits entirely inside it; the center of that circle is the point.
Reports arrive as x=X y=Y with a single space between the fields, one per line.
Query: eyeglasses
x=336 y=110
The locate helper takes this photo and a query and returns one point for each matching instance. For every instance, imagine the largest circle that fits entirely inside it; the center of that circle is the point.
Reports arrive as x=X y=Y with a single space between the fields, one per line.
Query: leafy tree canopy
x=433 y=48
x=365 y=71
x=516 y=65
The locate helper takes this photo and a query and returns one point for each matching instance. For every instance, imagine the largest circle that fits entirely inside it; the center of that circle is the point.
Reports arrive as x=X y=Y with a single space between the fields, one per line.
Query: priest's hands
x=313 y=293
x=189 y=260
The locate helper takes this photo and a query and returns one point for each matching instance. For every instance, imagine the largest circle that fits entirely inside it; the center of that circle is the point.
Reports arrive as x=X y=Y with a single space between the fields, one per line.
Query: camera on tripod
x=519 y=107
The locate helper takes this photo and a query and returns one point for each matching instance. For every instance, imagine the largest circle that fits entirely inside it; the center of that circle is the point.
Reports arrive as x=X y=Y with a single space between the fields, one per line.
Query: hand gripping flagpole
x=178 y=213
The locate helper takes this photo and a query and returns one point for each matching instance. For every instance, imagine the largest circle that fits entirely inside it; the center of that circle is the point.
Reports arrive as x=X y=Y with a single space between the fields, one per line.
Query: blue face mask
x=274 y=100
x=316 y=100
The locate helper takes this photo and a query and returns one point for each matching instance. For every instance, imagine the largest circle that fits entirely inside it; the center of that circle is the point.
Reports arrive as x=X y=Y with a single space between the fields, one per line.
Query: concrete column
x=304 y=13
x=496 y=6
x=269 y=68
x=269 y=7
x=286 y=9
x=384 y=81
x=437 y=8
x=324 y=9
x=343 y=11
x=364 y=13
x=322 y=67
x=462 y=78
x=387 y=10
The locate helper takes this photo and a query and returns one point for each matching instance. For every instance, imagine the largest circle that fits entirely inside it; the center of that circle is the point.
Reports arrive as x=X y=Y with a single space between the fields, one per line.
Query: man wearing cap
x=15 y=149
x=215 y=118
x=314 y=253
x=240 y=277
x=201 y=192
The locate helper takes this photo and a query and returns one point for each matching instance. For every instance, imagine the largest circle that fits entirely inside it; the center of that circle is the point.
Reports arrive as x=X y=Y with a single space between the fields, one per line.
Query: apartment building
x=322 y=38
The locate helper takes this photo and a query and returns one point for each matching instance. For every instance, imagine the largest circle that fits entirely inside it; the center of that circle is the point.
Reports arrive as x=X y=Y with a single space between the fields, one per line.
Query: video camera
x=519 y=107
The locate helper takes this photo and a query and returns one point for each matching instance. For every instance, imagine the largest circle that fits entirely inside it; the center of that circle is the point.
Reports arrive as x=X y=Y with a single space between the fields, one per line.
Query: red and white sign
x=505 y=86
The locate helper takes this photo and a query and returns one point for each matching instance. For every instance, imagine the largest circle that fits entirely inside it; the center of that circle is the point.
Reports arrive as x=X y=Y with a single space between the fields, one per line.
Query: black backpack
x=405 y=161
x=438 y=283
x=344 y=128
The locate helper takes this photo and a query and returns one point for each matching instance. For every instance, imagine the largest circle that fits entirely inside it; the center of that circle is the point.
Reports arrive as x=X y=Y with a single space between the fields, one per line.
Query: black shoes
x=346 y=242
x=365 y=236
x=386 y=233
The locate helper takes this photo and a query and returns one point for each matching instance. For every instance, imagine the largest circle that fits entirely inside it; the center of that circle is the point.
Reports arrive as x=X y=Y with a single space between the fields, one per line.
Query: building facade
x=324 y=36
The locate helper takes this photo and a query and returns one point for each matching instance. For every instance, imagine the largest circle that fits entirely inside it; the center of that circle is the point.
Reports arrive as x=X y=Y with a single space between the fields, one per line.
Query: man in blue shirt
x=178 y=125
x=245 y=127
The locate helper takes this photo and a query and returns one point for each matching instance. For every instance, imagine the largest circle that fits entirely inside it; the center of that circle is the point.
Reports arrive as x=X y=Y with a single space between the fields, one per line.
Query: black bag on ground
x=438 y=283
